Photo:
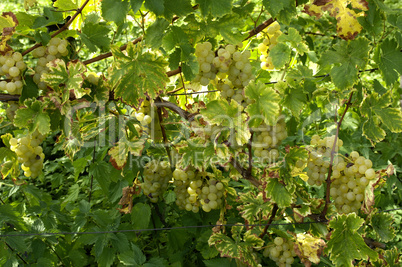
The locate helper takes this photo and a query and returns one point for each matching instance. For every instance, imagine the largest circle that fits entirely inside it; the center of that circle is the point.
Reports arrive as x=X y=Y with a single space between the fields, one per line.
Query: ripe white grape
x=281 y=251
x=270 y=35
x=157 y=175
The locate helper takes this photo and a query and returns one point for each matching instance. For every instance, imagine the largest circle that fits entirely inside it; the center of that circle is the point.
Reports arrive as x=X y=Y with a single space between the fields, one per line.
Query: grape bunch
x=226 y=63
x=11 y=67
x=271 y=35
x=281 y=252
x=30 y=153
x=267 y=139
x=157 y=175
x=11 y=109
x=350 y=178
x=143 y=113
x=56 y=48
x=197 y=189
x=319 y=158
x=228 y=91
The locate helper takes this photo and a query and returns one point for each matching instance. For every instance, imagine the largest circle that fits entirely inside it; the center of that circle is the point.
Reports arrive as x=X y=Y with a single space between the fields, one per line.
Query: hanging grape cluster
x=350 y=178
x=228 y=63
x=12 y=67
x=267 y=139
x=281 y=252
x=29 y=153
x=319 y=158
x=11 y=109
x=56 y=48
x=157 y=175
x=195 y=190
x=270 y=35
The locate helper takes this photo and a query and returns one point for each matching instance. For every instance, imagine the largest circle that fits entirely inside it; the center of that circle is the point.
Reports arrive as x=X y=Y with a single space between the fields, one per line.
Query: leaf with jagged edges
x=253 y=207
x=278 y=193
x=347 y=25
x=119 y=153
x=238 y=249
x=8 y=22
x=309 y=248
x=380 y=113
x=135 y=73
x=33 y=117
x=346 y=243
x=63 y=78
x=382 y=225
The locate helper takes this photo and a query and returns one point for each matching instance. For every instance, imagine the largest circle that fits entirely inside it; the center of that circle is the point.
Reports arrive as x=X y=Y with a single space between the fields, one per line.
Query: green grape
x=157 y=175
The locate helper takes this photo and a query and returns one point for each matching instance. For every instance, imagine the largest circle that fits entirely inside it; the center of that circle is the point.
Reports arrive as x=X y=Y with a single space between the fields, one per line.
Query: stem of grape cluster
x=327 y=193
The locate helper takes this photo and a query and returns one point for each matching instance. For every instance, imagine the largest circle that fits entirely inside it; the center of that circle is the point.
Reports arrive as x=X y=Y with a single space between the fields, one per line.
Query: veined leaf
x=137 y=73
x=215 y=8
x=115 y=10
x=278 y=193
x=33 y=117
x=253 y=207
x=346 y=244
x=382 y=224
x=389 y=60
x=266 y=104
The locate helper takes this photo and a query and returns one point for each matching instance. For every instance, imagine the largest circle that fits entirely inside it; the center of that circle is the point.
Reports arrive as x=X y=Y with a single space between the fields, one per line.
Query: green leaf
x=294 y=99
x=346 y=244
x=107 y=257
x=295 y=40
x=348 y=57
x=283 y=10
x=215 y=8
x=64 y=78
x=177 y=7
x=30 y=89
x=254 y=207
x=155 y=6
x=372 y=131
x=382 y=224
x=95 y=35
x=137 y=73
x=101 y=172
x=222 y=262
x=65 y=5
x=156 y=33
x=141 y=216
x=72 y=195
x=280 y=55
x=278 y=193
x=228 y=26
x=115 y=10
x=33 y=117
x=389 y=60
x=136 y=5
x=192 y=153
x=266 y=104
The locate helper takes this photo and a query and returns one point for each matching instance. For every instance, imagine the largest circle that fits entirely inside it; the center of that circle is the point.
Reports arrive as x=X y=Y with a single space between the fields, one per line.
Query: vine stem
x=271 y=219
x=65 y=27
x=18 y=255
x=165 y=139
x=338 y=126
x=244 y=172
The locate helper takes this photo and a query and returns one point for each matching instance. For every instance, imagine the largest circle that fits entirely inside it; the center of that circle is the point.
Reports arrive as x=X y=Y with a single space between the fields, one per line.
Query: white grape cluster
x=11 y=109
x=281 y=252
x=267 y=139
x=319 y=158
x=229 y=92
x=271 y=35
x=157 y=175
x=350 y=178
x=197 y=189
x=143 y=113
x=56 y=48
x=12 y=67
x=30 y=153
x=227 y=63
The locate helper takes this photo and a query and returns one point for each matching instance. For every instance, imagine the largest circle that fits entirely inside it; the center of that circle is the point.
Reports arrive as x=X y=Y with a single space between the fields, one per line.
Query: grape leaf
x=155 y=6
x=9 y=163
x=235 y=249
x=347 y=25
x=295 y=40
x=283 y=10
x=280 y=55
x=347 y=57
x=115 y=10
x=375 y=105
x=389 y=60
x=382 y=224
x=228 y=26
x=293 y=98
x=278 y=193
x=95 y=35
x=100 y=170
x=228 y=115
x=266 y=104
x=65 y=5
x=177 y=7
x=64 y=78
x=137 y=73
x=155 y=33
x=215 y=8
x=193 y=153
x=119 y=153
x=33 y=117
x=346 y=244
x=254 y=207
x=141 y=216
